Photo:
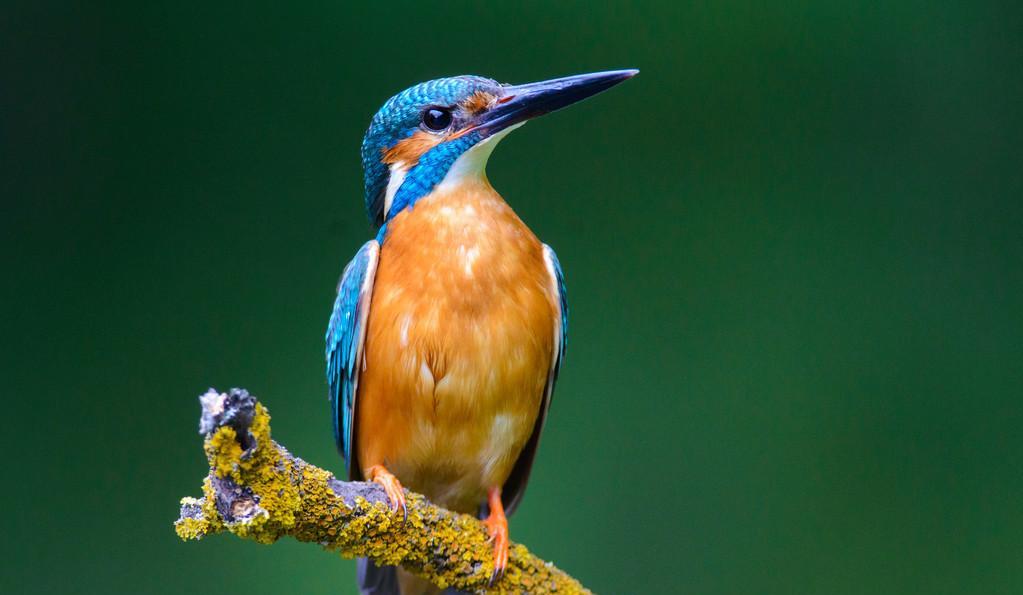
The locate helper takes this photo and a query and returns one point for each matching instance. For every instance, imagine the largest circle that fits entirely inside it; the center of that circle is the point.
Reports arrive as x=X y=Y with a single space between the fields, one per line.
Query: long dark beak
x=523 y=102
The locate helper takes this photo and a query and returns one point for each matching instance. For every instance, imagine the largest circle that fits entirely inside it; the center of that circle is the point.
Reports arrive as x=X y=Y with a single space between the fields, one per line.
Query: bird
x=449 y=327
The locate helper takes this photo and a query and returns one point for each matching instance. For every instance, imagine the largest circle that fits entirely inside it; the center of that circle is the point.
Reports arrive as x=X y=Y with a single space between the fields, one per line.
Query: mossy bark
x=258 y=490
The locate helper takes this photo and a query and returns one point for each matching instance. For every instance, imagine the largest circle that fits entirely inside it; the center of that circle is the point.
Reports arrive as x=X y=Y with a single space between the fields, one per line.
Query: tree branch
x=258 y=490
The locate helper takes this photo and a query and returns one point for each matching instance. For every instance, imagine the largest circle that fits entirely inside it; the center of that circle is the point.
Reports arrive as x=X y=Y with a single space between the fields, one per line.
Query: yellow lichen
x=223 y=450
x=288 y=497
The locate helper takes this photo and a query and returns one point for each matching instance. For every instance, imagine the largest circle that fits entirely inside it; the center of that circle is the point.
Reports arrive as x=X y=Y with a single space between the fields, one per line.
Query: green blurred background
x=793 y=249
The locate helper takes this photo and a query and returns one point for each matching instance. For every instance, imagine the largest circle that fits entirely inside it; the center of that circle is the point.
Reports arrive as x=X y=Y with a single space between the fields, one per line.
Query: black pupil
x=436 y=118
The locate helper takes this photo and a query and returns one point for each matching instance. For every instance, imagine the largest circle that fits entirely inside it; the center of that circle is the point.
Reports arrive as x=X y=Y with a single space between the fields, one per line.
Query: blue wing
x=559 y=277
x=346 y=335
x=515 y=486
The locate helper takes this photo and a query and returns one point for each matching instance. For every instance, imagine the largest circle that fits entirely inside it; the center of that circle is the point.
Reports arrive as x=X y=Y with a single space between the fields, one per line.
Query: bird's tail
x=391 y=580
x=376 y=580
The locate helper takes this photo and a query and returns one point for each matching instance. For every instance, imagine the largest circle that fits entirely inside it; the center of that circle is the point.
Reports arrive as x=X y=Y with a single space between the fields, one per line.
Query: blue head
x=420 y=134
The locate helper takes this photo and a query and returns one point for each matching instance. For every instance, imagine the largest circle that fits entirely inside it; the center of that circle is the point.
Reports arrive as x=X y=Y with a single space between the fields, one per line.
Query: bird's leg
x=395 y=493
x=497 y=527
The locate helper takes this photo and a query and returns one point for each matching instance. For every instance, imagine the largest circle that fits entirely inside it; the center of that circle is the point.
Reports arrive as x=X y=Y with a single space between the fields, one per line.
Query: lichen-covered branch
x=258 y=490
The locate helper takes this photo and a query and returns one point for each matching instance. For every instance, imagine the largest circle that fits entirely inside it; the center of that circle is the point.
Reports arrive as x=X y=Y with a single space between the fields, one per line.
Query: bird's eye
x=436 y=118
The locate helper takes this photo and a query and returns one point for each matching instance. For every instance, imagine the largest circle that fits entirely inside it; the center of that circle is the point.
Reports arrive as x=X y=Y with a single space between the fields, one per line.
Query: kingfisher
x=449 y=327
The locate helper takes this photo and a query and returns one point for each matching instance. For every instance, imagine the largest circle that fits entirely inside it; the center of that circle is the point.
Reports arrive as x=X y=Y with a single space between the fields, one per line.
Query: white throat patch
x=473 y=163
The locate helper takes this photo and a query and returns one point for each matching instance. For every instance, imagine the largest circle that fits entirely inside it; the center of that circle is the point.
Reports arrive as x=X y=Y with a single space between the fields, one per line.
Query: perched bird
x=449 y=327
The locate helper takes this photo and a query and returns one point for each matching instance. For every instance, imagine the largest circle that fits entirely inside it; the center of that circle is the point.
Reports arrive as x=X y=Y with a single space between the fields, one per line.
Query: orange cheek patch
x=409 y=150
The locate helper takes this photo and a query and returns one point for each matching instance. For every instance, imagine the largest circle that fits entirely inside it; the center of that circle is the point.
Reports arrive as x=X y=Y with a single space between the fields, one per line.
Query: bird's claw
x=497 y=529
x=392 y=487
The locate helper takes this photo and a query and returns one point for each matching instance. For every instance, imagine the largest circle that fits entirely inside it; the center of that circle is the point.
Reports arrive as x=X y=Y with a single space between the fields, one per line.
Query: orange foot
x=395 y=493
x=497 y=527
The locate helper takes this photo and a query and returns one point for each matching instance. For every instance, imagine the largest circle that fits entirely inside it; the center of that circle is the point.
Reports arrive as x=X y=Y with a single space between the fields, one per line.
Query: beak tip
x=620 y=75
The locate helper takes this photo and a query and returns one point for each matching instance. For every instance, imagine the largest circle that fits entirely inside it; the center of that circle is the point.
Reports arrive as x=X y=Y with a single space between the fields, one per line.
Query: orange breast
x=458 y=346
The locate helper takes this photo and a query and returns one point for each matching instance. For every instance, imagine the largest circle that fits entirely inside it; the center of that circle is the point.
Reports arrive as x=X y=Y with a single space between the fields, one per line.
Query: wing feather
x=515 y=487
x=346 y=336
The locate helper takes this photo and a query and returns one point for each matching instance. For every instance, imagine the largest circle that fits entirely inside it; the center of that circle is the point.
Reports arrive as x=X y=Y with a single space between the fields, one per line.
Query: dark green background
x=793 y=247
